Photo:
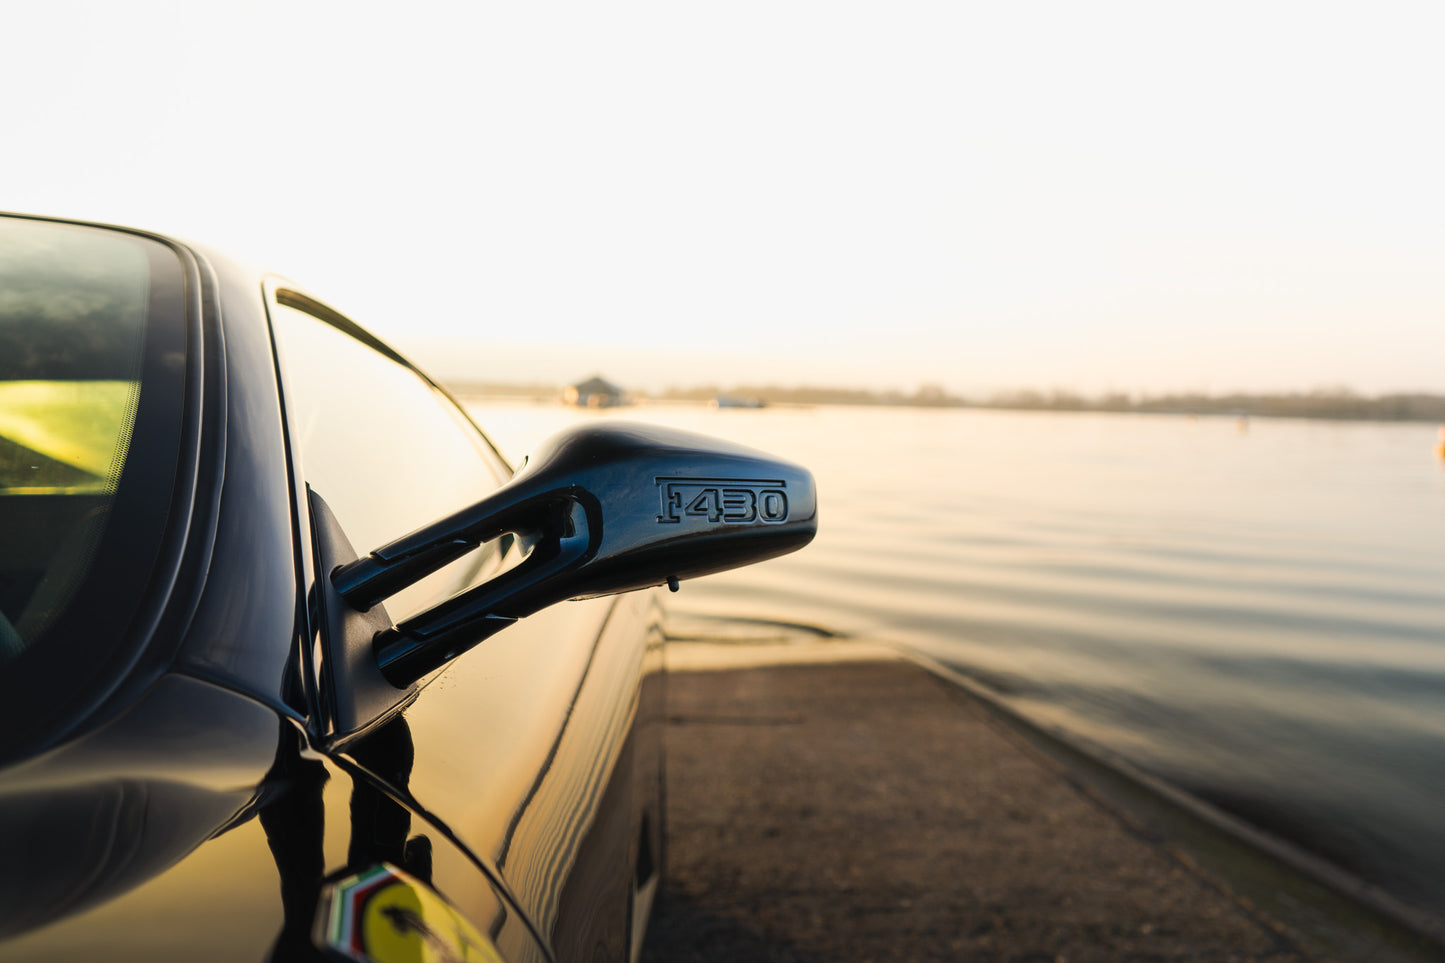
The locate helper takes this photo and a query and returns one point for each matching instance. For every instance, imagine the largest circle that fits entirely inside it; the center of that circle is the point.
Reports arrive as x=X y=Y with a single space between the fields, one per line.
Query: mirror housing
x=603 y=508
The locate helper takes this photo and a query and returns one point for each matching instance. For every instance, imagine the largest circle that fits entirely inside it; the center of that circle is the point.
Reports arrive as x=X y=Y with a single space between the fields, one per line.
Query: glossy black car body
x=205 y=758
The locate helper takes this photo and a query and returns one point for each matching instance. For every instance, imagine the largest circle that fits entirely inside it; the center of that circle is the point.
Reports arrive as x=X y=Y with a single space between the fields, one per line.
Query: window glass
x=74 y=308
x=386 y=450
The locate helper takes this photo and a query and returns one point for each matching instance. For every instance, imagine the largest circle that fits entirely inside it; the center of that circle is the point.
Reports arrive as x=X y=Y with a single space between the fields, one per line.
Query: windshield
x=78 y=309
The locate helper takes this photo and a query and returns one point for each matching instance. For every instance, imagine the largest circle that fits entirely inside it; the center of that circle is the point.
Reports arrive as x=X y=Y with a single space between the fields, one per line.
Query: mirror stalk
x=427 y=641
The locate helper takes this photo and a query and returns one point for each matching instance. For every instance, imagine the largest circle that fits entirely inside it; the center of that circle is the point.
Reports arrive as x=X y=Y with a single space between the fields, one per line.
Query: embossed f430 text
x=723 y=501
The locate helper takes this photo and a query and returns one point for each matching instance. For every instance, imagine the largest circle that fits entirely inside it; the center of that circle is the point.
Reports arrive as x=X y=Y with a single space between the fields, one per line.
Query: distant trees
x=1333 y=403
x=1336 y=403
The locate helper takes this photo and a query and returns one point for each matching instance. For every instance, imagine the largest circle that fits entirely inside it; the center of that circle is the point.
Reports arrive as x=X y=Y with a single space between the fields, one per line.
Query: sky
x=1108 y=196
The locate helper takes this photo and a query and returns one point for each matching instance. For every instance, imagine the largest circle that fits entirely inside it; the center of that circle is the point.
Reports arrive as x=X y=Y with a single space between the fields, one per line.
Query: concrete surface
x=871 y=811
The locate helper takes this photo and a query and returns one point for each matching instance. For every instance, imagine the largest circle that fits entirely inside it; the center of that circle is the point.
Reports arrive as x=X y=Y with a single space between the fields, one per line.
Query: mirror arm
x=516 y=507
x=432 y=638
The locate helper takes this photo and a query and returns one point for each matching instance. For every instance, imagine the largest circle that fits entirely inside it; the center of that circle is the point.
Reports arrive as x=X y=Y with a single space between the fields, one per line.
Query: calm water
x=1255 y=612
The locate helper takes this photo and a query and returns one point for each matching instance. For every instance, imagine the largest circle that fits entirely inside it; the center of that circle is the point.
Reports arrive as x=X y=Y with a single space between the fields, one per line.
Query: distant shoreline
x=1334 y=405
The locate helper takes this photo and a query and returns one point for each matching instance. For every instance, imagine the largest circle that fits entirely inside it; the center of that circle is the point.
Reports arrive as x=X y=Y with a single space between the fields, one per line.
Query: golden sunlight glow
x=47 y=427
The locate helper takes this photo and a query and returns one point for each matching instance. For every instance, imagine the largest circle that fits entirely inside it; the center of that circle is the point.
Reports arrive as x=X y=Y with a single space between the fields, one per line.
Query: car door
x=540 y=749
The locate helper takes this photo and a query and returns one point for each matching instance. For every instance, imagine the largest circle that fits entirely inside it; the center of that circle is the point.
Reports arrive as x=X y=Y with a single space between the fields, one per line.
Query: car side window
x=387 y=451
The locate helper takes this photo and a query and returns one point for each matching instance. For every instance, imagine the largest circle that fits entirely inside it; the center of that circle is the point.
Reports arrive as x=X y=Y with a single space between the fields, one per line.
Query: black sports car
x=282 y=672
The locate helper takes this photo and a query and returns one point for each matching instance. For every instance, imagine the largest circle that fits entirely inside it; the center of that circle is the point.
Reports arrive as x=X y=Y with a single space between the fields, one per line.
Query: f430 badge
x=723 y=501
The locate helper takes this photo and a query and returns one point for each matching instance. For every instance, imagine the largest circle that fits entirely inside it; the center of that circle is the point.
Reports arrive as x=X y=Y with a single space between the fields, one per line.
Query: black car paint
x=202 y=803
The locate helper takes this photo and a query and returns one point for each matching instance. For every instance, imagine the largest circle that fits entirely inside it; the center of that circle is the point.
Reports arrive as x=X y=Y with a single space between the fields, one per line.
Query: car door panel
x=526 y=747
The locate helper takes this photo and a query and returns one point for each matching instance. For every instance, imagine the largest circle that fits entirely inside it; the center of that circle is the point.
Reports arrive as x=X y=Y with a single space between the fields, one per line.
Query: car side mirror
x=602 y=508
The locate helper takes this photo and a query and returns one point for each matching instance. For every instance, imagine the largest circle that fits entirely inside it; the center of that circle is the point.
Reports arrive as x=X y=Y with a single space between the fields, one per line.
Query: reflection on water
x=1257 y=615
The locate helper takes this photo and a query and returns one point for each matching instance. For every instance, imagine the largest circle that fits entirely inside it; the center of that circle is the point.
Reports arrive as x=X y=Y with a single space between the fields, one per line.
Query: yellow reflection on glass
x=59 y=437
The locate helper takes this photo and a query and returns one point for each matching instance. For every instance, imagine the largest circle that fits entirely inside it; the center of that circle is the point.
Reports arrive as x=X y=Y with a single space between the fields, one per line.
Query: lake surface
x=1254 y=611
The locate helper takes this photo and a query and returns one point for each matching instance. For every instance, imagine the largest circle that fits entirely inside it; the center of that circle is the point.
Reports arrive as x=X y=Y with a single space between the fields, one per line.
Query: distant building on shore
x=595 y=392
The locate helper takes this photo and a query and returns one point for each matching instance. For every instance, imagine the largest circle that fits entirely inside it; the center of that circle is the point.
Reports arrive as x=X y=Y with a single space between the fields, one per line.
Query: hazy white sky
x=1101 y=195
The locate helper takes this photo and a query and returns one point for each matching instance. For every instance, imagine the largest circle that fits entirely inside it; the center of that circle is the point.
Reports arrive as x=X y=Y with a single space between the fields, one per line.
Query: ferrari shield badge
x=383 y=915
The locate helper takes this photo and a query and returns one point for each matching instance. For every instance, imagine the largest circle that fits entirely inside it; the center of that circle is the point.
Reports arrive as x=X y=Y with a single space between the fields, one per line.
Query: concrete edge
x=1326 y=910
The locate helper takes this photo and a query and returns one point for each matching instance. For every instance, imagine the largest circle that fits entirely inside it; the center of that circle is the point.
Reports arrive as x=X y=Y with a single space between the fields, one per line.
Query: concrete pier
x=869 y=810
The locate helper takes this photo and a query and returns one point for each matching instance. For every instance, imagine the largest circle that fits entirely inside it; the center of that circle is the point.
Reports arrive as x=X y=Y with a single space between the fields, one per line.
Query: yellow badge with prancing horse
x=384 y=915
